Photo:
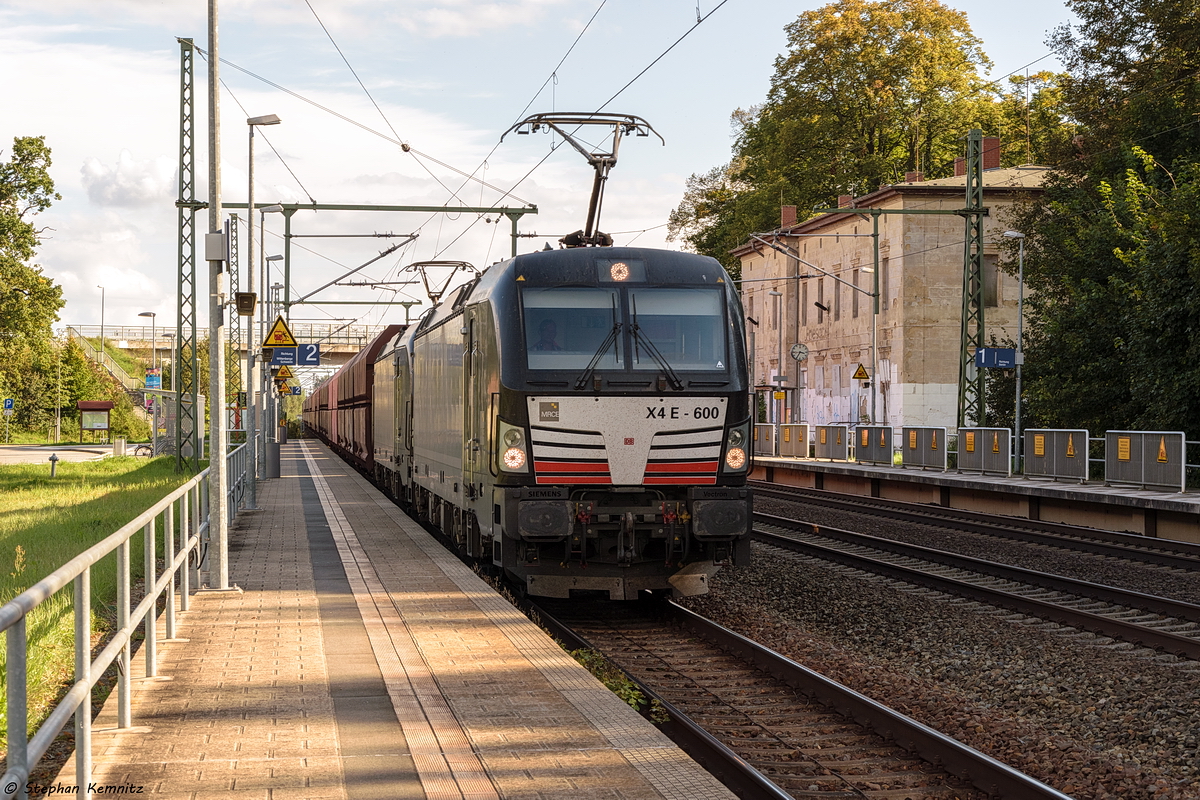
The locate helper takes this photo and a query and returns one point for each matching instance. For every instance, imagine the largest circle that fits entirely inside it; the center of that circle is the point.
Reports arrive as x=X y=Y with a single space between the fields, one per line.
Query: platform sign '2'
x=308 y=355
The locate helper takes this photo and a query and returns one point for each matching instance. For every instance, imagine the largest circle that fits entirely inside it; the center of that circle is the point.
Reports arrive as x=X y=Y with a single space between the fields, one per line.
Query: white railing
x=190 y=505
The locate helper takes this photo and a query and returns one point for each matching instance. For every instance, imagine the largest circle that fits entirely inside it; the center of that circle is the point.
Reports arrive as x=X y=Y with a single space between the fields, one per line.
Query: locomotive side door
x=475 y=448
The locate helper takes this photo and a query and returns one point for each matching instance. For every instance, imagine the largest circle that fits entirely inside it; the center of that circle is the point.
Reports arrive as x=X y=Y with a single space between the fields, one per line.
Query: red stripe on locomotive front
x=569 y=466
x=694 y=466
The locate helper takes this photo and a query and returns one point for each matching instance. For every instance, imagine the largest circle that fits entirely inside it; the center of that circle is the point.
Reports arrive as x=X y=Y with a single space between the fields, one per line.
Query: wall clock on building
x=799 y=352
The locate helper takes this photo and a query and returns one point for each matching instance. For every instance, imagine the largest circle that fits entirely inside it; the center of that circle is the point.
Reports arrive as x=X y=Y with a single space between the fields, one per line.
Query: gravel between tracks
x=1091 y=721
x=1148 y=578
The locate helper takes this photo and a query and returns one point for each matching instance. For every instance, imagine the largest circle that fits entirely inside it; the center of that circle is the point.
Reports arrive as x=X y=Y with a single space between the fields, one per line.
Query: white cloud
x=129 y=183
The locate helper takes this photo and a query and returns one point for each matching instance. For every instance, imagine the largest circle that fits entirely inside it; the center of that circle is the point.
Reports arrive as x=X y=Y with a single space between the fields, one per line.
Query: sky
x=100 y=80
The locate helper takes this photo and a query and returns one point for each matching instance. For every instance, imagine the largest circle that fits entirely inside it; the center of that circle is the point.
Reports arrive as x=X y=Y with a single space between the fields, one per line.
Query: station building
x=918 y=327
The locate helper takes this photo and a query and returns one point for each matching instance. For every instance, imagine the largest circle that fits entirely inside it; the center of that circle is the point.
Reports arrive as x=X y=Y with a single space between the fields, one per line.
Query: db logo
x=628 y=440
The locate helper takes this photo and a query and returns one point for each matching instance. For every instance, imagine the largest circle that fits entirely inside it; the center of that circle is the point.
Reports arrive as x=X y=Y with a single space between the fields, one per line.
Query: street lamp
x=779 y=378
x=251 y=383
x=153 y=339
x=1020 y=359
x=101 y=288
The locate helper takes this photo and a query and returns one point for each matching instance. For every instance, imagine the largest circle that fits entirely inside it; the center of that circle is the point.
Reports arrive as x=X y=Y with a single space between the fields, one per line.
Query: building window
x=854 y=301
x=750 y=309
x=991 y=276
x=821 y=300
x=804 y=303
x=837 y=299
x=883 y=282
x=775 y=312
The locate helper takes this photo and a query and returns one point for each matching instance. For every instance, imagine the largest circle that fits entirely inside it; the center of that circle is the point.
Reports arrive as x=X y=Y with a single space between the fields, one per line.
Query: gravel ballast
x=1092 y=721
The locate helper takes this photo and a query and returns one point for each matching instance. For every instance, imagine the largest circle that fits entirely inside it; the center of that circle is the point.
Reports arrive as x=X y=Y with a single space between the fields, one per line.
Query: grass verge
x=44 y=523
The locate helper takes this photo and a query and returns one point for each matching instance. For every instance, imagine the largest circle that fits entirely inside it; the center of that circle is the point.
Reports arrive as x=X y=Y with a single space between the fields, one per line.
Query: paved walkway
x=360 y=660
x=40 y=453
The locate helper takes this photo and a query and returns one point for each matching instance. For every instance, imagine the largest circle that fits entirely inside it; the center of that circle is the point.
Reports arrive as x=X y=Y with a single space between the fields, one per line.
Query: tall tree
x=1112 y=253
x=29 y=301
x=867 y=91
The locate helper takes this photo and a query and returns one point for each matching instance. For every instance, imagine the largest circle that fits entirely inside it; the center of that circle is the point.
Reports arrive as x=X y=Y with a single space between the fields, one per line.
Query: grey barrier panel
x=923 y=447
x=793 y=441
x=764 y=440
x=1052 y=453
x=986 y=450
x=873 y=444
x=833 y=442
x=1145 y=458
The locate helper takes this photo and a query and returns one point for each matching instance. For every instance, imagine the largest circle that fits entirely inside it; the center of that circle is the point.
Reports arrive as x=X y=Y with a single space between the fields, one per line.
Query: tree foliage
x=867 y=91
x=1113 y=249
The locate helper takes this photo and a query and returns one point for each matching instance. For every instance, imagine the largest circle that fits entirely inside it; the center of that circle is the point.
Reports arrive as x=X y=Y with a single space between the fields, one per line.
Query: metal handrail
x=190 y=502
x=105 y=360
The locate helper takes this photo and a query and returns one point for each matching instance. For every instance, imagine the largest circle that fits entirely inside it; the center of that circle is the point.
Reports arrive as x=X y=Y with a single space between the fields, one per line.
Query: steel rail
x=983 y=771
x=725 y=765
x=1164 y=552
x=1098 y=623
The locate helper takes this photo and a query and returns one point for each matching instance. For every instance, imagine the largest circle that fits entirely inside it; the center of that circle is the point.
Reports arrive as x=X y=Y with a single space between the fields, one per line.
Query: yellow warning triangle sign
x=1070 y=445
x=1162 y=450
x=285 y=372
x=283 y=388
x=280 y=335
x=860 y=374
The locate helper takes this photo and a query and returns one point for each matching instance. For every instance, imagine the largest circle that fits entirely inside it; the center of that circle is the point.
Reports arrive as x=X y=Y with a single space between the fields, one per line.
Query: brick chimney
x=845 y=200
x=960 y=167
x=787 y=216
x=991 y=152
x=914 y=177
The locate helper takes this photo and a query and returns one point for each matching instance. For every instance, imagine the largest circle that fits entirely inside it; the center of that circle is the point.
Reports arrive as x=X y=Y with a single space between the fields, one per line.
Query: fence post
x=185 y=526
x=168 y=560
x=124 y=701
x=83 y=673
x=150 y=645
x=18 y=720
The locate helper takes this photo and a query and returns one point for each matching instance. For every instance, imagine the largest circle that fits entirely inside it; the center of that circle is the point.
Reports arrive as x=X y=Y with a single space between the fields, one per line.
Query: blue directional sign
x=996 y=358
x=283 y=356
x=308 y=355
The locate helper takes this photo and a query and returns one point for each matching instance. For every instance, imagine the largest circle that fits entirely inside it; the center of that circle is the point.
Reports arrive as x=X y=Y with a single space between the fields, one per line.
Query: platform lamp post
x=251 y=383
x=259 y=401
x=779 y=378
x=101 y=288
x=1020 y=359
x=272 y=431
x=153 y=363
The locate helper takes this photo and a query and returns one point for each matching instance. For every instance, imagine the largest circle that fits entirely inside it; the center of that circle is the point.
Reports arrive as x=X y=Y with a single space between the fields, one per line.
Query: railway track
x=749 y=714
x=1168 y=625
x=1183 y=556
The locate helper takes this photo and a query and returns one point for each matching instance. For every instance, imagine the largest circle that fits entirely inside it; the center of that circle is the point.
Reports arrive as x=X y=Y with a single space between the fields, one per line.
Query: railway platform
x=359 y=659
x=1163 y=514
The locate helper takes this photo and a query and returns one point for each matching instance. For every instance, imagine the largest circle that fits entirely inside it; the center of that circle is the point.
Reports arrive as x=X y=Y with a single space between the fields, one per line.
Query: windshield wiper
x=586 y=375
x=658 y=357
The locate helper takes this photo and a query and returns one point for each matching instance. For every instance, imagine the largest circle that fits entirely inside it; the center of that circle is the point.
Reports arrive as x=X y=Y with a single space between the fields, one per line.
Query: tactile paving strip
x=660 y=762
x=447 y=766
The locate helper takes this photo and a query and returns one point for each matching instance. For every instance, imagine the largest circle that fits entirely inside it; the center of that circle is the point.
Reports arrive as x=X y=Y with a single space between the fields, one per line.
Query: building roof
x=1024 y=178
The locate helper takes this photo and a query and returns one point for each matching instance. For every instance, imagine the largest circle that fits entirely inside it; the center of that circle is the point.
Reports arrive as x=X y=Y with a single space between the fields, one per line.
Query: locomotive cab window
x=687 y=326
x=564 y=327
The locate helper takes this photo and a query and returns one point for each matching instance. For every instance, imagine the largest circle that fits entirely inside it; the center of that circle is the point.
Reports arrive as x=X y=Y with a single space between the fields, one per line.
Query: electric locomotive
x=577 y=418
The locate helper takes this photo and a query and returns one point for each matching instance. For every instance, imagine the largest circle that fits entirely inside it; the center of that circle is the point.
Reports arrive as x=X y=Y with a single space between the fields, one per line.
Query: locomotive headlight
x=514 y=458
x=736 y=458
x=512 y=455
x=619 y=271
